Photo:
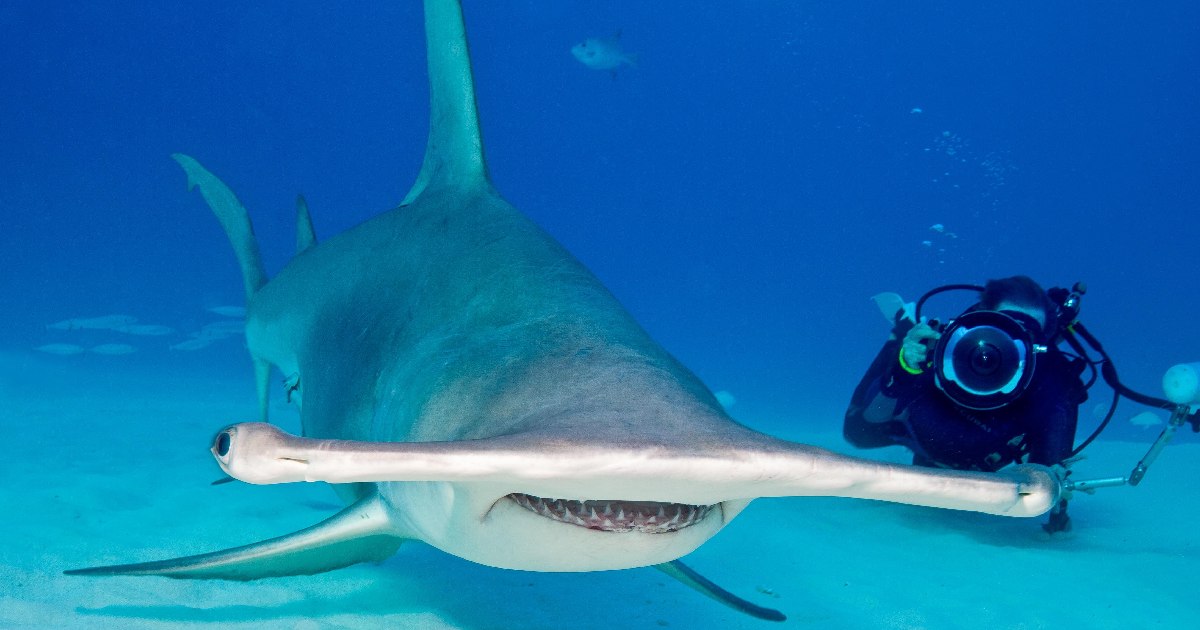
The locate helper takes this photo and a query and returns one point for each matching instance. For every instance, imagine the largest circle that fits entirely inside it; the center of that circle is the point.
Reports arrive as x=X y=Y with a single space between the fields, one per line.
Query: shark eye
x=221 y=444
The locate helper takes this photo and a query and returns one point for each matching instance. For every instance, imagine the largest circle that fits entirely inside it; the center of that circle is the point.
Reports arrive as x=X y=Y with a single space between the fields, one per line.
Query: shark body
x=466 y=382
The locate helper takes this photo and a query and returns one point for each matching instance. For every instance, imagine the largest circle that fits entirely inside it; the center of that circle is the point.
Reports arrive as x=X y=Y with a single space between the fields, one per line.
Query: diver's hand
x=915 y=350
x=1059 y=521
x=1062 y=475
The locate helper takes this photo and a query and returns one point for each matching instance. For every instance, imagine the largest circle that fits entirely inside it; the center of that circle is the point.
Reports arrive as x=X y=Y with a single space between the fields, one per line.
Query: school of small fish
x=232 y=326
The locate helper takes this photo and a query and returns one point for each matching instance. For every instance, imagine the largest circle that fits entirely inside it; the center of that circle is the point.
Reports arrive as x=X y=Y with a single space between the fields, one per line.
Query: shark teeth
x=649 y=517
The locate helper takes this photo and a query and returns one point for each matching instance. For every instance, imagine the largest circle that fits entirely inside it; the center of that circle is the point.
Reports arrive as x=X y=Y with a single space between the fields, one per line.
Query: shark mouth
x=650 y=517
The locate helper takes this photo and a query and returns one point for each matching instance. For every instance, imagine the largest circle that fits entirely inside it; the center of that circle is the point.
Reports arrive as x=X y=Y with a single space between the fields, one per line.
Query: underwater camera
x=986 y=359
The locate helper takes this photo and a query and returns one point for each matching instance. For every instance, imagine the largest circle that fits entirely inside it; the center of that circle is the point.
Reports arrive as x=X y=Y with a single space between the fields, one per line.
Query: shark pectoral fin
x=360 y=533
x=688 y=576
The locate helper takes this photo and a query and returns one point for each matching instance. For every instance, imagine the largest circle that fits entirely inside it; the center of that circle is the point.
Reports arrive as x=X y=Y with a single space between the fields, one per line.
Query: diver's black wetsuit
x=893 y=407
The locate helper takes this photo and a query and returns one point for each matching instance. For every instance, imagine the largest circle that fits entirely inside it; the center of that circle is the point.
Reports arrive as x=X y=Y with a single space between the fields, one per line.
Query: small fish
x=150 y=330
x=916 y=110
x=223 y=328
x=61 y=349
x=106 y=322
x=1145 y=420
x=228 y=311
x=768 y=591
x=603 y=53
x=113 y=349
x=192 y=344
x=937 y=227
x=725 y=398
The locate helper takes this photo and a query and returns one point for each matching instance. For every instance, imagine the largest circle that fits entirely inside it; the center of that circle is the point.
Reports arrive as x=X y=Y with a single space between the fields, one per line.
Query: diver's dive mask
x=985 y=359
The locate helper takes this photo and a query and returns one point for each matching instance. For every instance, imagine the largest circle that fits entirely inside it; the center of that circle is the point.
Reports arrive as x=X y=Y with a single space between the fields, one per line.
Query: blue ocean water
x=762 y=170
x=744 y=188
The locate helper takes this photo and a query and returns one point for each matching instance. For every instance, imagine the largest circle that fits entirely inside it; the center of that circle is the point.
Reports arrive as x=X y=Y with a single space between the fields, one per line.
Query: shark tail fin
x=233 y=218
x=690 y=577
x=454 y=153
x=306 y=237
x=359 y=533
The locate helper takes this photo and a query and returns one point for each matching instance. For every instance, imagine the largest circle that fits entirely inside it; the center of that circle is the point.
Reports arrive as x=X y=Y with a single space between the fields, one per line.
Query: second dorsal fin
x=306 y=237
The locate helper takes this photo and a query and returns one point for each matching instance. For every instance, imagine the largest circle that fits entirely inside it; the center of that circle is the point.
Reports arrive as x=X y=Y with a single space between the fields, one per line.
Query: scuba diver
x=966 y=395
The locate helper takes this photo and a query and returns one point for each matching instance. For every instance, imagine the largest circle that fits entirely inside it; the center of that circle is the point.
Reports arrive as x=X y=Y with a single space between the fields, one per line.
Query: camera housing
x=986 y=359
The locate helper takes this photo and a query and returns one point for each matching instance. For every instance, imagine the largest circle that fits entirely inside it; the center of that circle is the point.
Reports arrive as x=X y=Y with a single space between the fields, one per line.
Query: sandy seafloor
x=103 y=464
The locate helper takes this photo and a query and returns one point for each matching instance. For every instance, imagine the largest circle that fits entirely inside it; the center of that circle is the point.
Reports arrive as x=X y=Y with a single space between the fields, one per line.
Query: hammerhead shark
x=464 y=381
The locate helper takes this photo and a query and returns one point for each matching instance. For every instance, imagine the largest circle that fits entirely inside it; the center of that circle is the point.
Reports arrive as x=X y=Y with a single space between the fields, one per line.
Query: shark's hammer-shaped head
x=585 y=473
x=607 y=484
x=553 y=510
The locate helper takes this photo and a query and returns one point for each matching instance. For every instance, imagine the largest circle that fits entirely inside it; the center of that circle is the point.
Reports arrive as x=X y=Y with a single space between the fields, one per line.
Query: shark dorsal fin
x=454 y=153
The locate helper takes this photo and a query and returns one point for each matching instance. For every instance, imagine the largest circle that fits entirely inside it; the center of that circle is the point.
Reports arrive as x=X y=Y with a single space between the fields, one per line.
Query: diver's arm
x=857 y=429
x=870 y=418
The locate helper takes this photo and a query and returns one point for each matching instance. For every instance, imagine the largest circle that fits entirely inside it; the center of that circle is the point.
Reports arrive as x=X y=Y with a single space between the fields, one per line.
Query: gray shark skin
x=466 y=382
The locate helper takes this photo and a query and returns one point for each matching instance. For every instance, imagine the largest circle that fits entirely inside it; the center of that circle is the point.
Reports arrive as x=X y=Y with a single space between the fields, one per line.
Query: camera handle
x=1180 y=415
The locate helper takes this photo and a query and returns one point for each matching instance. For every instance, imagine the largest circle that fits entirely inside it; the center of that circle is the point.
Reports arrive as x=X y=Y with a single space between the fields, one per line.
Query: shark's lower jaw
x=649 y=517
